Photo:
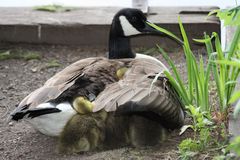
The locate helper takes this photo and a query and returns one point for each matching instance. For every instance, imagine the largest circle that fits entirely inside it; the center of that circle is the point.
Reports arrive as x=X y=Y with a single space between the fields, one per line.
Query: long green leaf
x=206 y=81
x=189 y=58
x=209 y=45
x=223 y=73
x=177 y=87
x=234 y=43
x=202 y=85
x=165 y=32
x=234 y=97
x=228 y=62
x=236 y=110
x=176 y=74
x=233 y=76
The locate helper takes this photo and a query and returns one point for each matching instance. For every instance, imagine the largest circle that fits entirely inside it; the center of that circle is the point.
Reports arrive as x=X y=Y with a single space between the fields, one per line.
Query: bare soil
x=19 y=77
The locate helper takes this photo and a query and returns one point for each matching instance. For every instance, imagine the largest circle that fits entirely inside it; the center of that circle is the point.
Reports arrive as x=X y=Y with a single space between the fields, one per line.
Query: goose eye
x=134 y=19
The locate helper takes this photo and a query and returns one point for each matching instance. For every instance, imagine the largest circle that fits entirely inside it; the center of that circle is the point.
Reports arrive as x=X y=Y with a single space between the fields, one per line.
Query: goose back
x=82 y=78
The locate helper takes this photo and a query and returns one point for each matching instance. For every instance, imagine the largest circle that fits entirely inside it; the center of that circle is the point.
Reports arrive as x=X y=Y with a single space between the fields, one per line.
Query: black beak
x=149 y=29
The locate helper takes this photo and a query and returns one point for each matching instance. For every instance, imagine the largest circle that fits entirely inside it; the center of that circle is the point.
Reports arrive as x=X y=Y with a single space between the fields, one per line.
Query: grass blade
x=189 y=59
x=176 y=74
x=170 y=34
x=234 y=97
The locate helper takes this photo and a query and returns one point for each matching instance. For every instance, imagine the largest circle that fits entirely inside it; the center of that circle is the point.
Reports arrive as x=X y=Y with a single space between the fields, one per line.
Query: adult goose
x=132 y=111
x=89 y=89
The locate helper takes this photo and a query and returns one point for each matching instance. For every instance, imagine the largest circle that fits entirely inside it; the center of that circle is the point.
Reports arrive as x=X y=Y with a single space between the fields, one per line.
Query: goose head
x=127 y=23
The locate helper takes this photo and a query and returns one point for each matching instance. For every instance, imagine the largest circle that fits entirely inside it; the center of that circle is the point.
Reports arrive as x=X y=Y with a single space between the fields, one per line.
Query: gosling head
x=82 y=105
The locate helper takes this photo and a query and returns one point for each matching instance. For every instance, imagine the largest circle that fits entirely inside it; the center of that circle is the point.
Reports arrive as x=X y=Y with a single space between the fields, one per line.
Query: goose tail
x=22 y=112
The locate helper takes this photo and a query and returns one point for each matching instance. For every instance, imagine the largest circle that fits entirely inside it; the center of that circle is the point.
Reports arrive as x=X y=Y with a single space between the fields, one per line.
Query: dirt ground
x=19 y=77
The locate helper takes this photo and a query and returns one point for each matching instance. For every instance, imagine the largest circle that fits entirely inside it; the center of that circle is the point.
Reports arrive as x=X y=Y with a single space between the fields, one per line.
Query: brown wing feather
x=134 y=94
x=71 y=71
x=58 y=83
x=131 y=86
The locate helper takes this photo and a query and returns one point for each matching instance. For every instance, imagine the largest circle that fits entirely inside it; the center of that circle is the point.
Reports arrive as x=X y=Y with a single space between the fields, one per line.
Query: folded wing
x=137 y=94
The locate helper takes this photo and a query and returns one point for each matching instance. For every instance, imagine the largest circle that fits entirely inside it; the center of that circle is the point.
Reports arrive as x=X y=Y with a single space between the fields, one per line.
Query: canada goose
x=49 y=107
x=127 y=112
x=76 y=95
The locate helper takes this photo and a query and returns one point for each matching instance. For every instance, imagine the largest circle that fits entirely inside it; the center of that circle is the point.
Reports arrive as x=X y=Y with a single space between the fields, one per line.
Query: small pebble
x=10 y=87
x=2 y=97
x=24 y=64
x=10 y=123
x=34 y=70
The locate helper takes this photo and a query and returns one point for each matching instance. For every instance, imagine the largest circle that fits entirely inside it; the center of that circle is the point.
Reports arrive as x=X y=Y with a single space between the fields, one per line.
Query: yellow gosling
x=82 y=105
x=121 y=71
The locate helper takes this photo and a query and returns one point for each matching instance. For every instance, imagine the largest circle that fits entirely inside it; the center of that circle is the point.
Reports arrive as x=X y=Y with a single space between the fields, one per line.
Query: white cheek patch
x=128 y=29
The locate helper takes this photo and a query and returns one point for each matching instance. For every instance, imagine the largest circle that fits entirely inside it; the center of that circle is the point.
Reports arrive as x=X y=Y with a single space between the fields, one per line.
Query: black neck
x=119 y=46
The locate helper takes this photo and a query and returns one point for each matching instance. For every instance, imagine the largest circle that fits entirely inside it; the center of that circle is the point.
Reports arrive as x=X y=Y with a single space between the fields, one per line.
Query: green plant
x=195 y=96
x=53 y=63
x=188 y=148
x=6 y=55
x=235 y=95
x=232 y=64
x=231 y=60
x=26 y=55
x=235 y=146
x=53 y=8
x=199 y=119
x=30 y=55
x=223 y=67
x=225 y=76
x=230 y=16
x=191 y=146
x=196 y=91
x=207 y=137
